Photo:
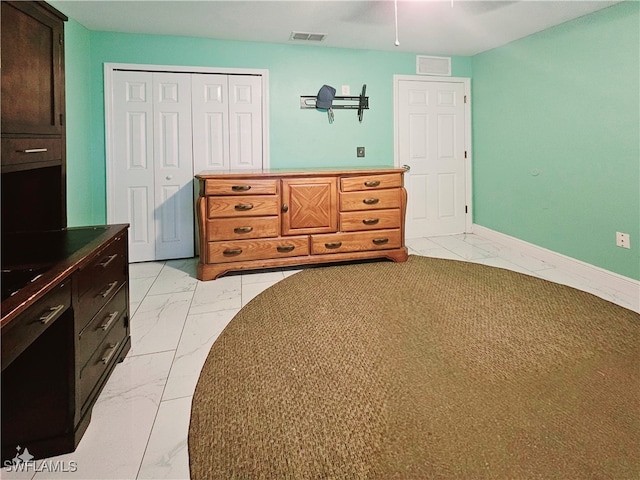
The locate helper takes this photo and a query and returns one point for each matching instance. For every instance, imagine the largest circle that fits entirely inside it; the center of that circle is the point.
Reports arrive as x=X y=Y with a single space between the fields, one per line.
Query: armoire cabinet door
x=32 y=69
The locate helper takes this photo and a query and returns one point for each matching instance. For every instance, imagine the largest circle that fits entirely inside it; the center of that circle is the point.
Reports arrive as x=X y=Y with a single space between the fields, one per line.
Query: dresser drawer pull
x=380 y=241
x=370 y=201
x=372 y=183
x=53 y=313
x=232 y=252
x=371 y=221
x=105 y=326
x=32 y=150
x=243 y=207
x=285 y=248
x=242 y=229
x=241 y=188
x=108 y=260
x=333 y=245
x=109 y=289
x=108 y=354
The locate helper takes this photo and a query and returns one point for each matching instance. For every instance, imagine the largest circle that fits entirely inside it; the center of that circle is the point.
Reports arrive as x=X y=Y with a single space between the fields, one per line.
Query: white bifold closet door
x=165 y=128
x=227 y=122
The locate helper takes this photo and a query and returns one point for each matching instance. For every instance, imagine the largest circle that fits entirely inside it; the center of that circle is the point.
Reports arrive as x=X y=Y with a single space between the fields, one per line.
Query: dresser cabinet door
x=309 y=205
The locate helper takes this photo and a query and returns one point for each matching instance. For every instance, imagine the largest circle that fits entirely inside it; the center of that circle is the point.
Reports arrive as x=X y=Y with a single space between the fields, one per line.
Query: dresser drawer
x=370 y=220
x=370 y=182
x=111 y=315
x=241 y=250
x=249 y=206
x=27 y=327
x=26 y=150
x=242 y=228
x=105 y=355
x=378 y=199
x=356 y=241
x=100 y=280
x=250 y=186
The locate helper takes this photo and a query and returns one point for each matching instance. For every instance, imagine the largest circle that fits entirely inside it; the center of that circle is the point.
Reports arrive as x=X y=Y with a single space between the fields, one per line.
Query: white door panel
x=133 y=166
x=210 y=122
x=162 y=128
x=245 y=122
x=174 y=225
x=431 y=141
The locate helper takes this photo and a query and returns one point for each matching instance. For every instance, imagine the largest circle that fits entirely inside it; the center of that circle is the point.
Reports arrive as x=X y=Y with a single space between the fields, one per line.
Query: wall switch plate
x=346 y=90
x=360 y=151
x=623 y=240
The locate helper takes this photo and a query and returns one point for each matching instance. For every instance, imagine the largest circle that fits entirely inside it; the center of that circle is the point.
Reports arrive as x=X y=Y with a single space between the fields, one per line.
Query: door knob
x=406 y=167
x=169 y=177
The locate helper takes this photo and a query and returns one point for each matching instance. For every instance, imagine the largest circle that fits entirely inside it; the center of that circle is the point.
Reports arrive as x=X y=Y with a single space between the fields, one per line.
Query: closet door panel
x=245 y=122
x=173 y=165
x=131 y=175
x=210 y=104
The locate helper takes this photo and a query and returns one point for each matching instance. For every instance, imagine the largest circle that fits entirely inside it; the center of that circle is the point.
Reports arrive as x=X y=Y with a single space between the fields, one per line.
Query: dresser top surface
x=34 y=262
x=293 y=172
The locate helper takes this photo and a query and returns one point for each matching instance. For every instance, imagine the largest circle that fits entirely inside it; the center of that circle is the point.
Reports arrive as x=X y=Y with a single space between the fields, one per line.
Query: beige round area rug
x=425 y=369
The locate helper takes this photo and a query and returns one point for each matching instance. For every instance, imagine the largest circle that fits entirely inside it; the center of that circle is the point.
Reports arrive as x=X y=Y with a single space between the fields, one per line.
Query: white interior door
x=151 y=167
x=431 y=141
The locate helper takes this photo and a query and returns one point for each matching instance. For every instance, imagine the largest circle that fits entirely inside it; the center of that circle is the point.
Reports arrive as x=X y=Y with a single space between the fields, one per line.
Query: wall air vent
x=433 y=65
x=312 y=37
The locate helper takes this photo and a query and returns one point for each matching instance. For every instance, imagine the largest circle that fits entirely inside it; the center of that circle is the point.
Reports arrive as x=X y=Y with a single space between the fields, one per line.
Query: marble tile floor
x=140 y=422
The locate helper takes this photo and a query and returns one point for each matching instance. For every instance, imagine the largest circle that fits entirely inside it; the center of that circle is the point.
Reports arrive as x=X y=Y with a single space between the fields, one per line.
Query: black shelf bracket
x=362 y=104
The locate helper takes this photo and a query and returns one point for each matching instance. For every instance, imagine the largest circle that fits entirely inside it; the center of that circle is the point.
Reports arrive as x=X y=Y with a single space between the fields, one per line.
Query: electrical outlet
x=623 y=240
x=360 y=152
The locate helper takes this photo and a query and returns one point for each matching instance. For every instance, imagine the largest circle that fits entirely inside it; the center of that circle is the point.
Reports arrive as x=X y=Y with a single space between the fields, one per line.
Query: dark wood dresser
x=64 y=327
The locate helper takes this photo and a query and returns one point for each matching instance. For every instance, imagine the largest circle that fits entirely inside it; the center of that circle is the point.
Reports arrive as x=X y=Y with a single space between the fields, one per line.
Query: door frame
x=109 y=68
x=467 y=133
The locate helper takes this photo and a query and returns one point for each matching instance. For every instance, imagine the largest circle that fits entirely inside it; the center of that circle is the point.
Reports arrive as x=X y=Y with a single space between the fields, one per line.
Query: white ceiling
x=424 y=26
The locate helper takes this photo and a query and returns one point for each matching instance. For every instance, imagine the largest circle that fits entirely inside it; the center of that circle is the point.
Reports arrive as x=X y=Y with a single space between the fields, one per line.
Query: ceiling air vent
x=433 y=65
x=312 y=37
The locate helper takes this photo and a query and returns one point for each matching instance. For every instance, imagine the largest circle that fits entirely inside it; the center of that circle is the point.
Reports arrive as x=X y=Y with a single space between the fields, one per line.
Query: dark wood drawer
x=112 y=315
x=102 y=360
x=99 y=281
x=17 y=151
x=24 y=329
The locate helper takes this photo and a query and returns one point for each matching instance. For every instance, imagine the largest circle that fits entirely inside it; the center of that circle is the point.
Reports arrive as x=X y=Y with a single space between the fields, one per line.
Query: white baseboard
x=624 y=288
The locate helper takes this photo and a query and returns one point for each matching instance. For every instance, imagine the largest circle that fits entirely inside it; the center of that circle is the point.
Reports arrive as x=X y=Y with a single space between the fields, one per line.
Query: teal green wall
x=556 y=142
x=555 y=123
x=298 y=138
x=81 y=172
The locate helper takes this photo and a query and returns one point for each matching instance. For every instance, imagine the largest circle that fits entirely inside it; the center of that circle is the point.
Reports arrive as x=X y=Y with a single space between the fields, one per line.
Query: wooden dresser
x=65 y=326
x=275 y=218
